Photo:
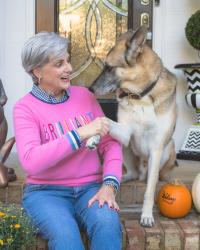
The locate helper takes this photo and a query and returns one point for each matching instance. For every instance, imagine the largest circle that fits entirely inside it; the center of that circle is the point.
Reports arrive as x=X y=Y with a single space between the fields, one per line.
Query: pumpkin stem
x=177 y=181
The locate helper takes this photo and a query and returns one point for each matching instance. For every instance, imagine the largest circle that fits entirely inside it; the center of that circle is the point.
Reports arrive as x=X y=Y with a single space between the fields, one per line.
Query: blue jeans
x=60 y=213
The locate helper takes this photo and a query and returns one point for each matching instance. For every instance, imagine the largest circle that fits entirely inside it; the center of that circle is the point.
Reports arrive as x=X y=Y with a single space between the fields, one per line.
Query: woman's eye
x=58 y=64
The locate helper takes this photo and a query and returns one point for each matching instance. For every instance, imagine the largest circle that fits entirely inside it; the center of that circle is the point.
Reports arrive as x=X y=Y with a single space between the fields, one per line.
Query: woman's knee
x=105 y=230
x=106 y=219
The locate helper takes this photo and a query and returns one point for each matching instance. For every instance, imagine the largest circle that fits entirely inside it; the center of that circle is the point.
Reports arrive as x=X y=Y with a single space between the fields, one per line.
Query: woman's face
x=54 y=76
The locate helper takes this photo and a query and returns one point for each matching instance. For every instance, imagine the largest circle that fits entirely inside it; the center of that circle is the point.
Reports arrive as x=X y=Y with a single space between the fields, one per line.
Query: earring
x=39 y=79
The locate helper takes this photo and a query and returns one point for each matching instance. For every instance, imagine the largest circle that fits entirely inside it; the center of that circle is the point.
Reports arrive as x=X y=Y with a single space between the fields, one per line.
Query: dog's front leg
x=117 y=130
x=153 y=172
x=131 y=162
x=120 y=132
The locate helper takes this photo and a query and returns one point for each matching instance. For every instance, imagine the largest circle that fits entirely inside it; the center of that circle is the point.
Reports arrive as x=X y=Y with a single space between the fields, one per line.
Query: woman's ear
x=37 y=73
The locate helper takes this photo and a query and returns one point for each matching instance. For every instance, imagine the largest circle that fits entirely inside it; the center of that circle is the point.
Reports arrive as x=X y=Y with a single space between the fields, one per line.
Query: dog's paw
x=147 y=220
x=92 y=142
x=124 y=140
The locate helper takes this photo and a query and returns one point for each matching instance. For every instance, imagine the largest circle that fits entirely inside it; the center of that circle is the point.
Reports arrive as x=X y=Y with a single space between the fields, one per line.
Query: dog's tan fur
x=145 y=124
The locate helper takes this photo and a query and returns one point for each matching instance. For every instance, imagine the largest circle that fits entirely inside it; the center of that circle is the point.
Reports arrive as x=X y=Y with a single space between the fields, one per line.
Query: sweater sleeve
x=110 y=150
x=34 y=156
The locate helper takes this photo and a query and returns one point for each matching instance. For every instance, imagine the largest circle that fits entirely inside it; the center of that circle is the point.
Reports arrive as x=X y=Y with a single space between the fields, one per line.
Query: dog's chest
x=143 y=121
x=141 y=116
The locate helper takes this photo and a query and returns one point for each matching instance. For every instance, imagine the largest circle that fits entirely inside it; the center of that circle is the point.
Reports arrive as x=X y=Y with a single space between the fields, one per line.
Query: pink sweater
x=46 y=153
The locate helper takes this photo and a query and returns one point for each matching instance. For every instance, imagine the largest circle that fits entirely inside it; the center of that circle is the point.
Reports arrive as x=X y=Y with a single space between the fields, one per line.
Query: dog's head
x=119 y=61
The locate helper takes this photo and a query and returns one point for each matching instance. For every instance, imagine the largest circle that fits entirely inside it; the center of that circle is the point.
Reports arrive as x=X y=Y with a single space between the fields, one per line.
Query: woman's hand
x=105 y=194
x=99 y=126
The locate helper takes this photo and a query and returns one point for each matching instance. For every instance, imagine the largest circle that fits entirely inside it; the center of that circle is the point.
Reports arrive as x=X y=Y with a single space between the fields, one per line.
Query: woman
x=68 y=187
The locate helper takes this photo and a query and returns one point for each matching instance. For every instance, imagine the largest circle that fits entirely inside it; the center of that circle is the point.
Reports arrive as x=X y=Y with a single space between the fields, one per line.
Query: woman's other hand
x=106 y=194
x=99 y=126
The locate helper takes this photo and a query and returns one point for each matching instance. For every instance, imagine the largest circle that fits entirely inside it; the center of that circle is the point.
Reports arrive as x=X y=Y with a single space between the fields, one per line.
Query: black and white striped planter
x=191 y=146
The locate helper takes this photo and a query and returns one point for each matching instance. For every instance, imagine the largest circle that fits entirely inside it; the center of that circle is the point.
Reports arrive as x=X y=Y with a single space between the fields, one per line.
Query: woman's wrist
x=81 y=133
x=111 y=185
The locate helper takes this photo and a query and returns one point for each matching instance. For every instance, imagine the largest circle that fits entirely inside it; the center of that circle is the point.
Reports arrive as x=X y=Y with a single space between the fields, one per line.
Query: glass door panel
x=92 y=27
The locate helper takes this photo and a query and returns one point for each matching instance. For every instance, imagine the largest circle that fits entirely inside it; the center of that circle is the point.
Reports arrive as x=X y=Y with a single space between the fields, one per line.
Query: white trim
x=2 y=39
x=29 y=31
x=30 y=17
x=158 y=39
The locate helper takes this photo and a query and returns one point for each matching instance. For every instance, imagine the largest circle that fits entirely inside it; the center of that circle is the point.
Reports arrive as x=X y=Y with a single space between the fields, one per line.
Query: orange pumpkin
x=174 y=200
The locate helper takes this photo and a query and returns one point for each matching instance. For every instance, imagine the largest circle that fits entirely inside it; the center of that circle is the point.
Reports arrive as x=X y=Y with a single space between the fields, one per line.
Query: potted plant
x=192 y=30
x=16 y=231
x=191 y=146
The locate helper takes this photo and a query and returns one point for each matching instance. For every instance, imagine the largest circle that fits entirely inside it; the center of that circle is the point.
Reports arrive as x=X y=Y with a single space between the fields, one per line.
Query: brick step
x=133 y=192
x=134 y=211
x=168 y=234
x=130 y=193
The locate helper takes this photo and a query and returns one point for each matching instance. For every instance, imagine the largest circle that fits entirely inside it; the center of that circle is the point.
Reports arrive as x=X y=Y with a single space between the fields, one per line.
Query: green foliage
x=16 y=231
x=192 y=30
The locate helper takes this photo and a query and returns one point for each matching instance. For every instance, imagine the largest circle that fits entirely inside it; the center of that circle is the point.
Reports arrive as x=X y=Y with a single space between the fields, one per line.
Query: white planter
x=191 y=147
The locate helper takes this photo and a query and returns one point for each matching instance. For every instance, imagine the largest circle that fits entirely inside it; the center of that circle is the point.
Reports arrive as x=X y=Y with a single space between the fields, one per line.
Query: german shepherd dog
x=146 y=94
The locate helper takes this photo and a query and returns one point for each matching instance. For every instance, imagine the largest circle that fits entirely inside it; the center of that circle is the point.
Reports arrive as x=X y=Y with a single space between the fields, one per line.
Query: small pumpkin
x=174 y=200
x=195 y=192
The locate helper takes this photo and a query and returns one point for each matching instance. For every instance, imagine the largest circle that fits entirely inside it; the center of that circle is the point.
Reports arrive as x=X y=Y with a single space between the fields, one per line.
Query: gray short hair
x=38 y=49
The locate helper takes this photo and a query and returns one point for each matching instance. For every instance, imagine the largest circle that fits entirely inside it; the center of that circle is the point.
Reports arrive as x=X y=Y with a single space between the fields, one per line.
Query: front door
x=92 y=27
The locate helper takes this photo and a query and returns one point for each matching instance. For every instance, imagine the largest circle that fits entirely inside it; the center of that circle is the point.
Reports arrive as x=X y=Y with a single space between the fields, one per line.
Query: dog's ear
x=135 y=43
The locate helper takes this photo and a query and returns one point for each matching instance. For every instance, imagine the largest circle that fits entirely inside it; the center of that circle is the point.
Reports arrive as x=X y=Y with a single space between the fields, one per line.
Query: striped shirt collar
x=45 y=97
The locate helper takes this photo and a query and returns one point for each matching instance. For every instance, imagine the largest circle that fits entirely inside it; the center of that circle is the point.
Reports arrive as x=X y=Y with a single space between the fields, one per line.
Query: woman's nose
x=68 y=67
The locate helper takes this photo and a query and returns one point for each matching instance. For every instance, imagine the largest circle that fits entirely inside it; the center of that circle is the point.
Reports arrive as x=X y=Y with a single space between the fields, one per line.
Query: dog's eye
x=108 y=68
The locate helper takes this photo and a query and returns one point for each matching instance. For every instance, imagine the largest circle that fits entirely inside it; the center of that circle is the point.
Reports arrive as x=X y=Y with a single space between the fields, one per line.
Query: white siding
x=170 y=43
x=16 y=25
